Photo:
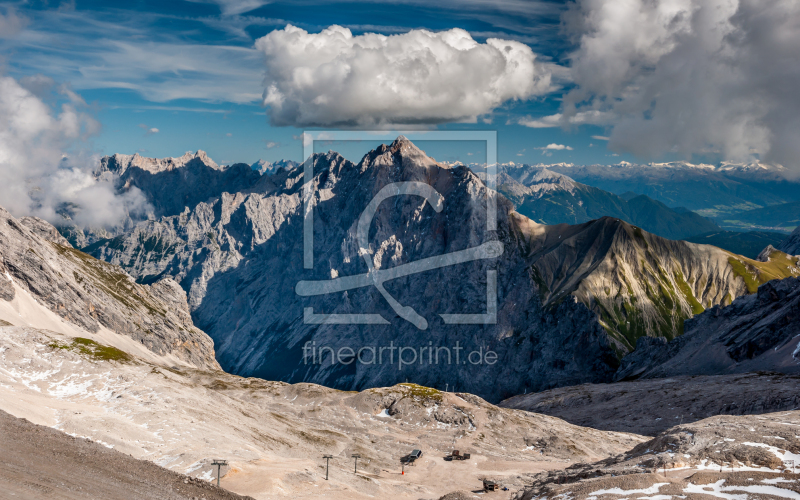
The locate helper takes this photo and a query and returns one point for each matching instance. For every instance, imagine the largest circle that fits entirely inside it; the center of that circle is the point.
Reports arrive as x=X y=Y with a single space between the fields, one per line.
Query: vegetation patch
x=755 y=273
x=422 y=392
x=93 y=350
x=686 y=290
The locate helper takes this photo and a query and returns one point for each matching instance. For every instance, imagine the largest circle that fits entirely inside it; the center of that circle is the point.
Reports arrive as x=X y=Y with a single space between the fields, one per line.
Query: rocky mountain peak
x=538 y=181
x=402 y=153
x=120 y=163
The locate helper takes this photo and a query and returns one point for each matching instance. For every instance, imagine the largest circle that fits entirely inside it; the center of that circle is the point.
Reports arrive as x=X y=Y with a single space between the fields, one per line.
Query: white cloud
x=591 y=117
x=419 y=77
x=148 y=130
x=271 y=144
x=38 y=176
x=600 y=137
x=548 y=150
x=690 y=75
x=557 y=147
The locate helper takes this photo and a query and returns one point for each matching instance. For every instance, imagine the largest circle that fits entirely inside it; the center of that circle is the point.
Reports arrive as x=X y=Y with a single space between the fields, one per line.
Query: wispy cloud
x=11 y=23
x=148 y=130
x=93 y=52
x=555 y=147
x=592 y=117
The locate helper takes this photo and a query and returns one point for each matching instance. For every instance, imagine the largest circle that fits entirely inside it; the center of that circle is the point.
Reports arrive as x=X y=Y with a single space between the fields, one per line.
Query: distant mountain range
x=572 y=300
x=724 y=193
x=722 y=189
x=551 y=198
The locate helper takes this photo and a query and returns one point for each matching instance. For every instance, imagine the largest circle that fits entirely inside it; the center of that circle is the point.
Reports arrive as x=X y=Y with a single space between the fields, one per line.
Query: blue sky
x=190 y=70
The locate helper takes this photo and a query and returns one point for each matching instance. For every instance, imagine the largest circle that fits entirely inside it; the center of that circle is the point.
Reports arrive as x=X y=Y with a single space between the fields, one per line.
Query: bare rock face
x=791 y=245
x=171 y=184
x=571 y=300
x=90 y=293
x=45 y=230
x=7 y=291
x=757 y=332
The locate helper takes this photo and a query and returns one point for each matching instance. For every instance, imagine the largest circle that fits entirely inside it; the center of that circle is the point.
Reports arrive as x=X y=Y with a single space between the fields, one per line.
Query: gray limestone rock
x=89 y=293
x=791 y=245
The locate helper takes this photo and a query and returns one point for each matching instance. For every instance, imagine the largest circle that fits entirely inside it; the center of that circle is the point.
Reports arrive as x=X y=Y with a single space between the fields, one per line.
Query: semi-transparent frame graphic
x=376 y=277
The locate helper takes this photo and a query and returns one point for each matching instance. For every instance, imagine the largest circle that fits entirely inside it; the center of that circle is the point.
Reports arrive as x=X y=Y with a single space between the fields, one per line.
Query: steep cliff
x=91 y=294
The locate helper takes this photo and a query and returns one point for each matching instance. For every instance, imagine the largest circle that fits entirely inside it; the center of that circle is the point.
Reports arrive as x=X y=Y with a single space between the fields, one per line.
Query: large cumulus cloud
x=689 y=76
x=39 y=178
x=335 y=78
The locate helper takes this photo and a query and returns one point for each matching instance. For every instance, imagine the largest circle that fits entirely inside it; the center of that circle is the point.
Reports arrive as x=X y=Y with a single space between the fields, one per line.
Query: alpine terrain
x=551 y=198
x=572 y=300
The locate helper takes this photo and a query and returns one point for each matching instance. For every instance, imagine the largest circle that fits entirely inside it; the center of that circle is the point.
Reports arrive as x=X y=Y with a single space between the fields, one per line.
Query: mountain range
x=572 y=300
x=722 y=189
x=738 y=197
x=551 y=198
x=113 y=361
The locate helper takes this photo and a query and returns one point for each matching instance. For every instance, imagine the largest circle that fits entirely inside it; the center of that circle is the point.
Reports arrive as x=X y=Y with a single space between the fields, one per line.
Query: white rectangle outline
x=490 y=180
x=488 y=136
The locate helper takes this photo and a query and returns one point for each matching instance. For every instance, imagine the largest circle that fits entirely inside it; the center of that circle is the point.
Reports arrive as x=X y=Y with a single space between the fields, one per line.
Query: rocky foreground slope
x=40 y=463
x=41 y=275
x=735 y=458
x=571 y=300
x=275 y=434
x=651 y=406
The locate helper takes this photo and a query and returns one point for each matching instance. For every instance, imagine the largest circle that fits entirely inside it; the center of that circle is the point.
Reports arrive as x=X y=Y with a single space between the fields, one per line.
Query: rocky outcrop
x=90 y=293
x=757 y=332
x=44 y=230
x=172 y=184
x=791 y=245
x=265 y=167
x=240 y=258
x=729 y=457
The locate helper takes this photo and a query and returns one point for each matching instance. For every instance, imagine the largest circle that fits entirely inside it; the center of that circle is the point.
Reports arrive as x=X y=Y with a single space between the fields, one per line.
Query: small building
x=489 y=485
